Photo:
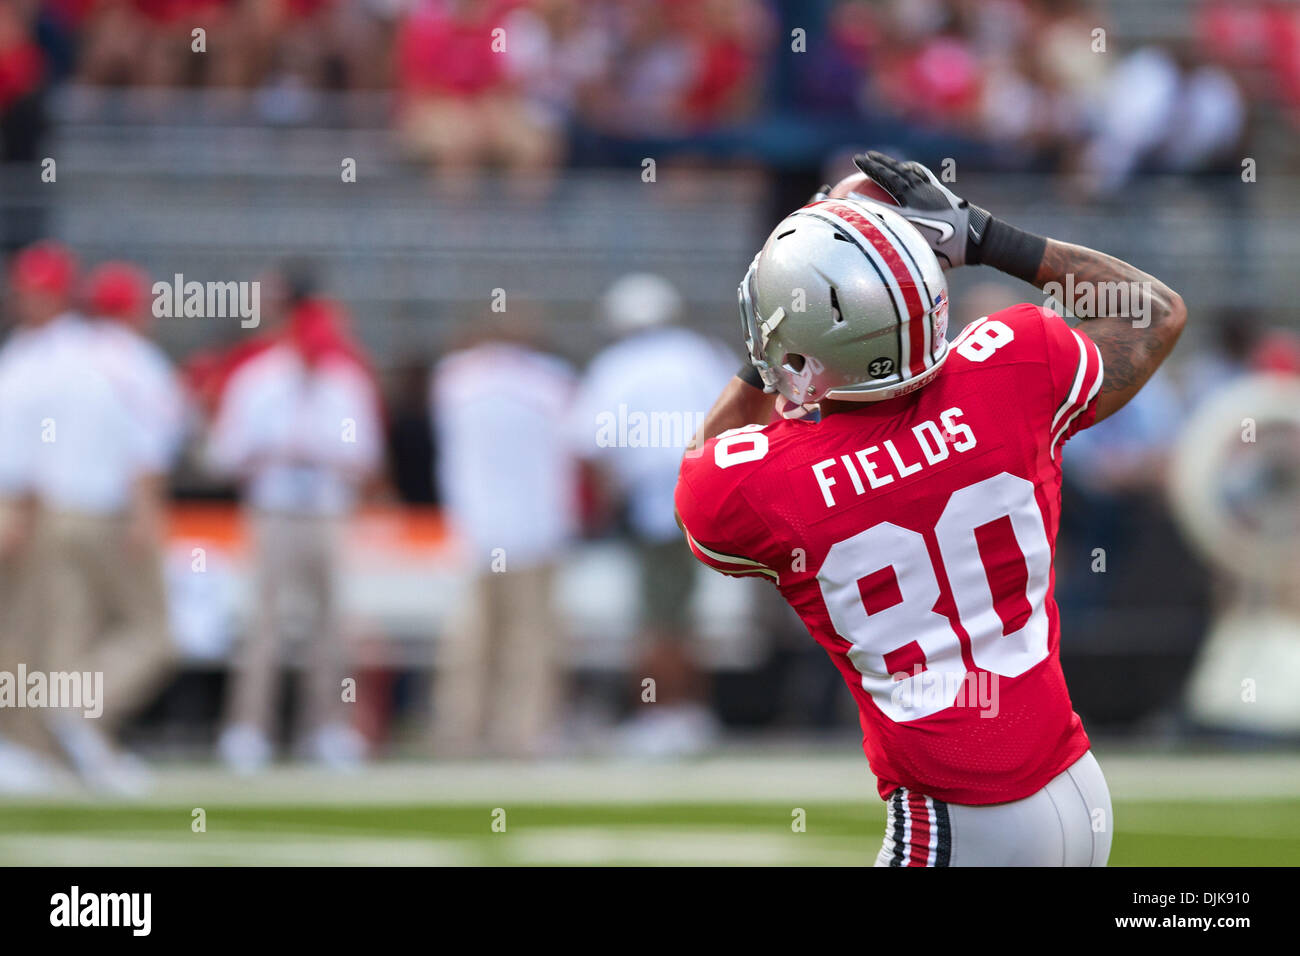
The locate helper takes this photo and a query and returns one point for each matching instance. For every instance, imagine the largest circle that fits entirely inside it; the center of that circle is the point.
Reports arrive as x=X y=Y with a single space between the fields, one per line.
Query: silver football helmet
x=845 y=301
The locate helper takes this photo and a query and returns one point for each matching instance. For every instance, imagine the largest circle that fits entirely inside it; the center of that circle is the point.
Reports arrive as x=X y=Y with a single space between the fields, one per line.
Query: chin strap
x=768 y=326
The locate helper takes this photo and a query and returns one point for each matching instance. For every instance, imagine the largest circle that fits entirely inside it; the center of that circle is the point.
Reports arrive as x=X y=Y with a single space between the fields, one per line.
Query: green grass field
x=720 y=811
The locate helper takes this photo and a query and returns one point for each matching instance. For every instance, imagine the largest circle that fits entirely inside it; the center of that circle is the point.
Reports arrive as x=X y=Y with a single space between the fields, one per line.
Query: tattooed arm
x=1131 y=350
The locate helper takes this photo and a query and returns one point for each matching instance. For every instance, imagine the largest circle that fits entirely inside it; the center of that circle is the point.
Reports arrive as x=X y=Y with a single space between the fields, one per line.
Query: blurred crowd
x=93 y=418
x=528 y=84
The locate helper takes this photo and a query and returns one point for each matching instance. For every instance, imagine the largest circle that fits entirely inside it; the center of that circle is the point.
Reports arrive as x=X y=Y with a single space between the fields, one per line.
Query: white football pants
x=1066 y=823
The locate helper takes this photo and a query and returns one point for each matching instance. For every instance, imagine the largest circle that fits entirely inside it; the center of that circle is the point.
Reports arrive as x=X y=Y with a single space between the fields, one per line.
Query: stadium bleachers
x=190 y=182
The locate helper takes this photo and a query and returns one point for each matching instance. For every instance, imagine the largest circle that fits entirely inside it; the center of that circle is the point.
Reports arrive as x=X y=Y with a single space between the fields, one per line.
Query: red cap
x=315 y=329
x=1278 y=351
x=117 y=290
x=44 y=267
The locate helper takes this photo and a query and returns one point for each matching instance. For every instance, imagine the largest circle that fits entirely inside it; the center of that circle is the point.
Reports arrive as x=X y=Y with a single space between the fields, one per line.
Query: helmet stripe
x=907 y=283
x=886 y=276
x=928 y=325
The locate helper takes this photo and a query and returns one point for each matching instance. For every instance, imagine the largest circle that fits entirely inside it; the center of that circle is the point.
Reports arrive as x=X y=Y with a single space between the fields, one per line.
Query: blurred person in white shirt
x=300 y=426
x=1164 y=110
x=117 y=299
x=641 y=400
x=83 y=470
x=48 y=272
x=499 y=406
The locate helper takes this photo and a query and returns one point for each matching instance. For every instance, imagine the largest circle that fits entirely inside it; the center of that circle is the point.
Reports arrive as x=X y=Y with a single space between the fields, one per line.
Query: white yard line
x=749 y=778
x=155 y=848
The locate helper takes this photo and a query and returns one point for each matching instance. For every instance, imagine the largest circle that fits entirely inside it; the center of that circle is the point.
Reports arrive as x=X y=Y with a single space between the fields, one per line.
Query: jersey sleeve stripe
x=1078 y=380
x=1092 y=379
x=727 y=563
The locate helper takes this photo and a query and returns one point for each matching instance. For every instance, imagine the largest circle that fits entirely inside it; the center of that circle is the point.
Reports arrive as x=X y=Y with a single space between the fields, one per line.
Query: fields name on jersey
x=67 y=690
x=179 y=299
x=635 y=429
x=75 y=908
x=936 y=690
x=928 y=443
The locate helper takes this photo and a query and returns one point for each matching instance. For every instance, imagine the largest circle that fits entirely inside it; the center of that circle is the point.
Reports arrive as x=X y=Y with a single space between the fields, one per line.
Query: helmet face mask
x=845 y=301
x=755 y=345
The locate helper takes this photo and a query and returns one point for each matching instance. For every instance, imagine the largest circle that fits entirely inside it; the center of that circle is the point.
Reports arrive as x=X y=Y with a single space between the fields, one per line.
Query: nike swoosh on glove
x=953 y=227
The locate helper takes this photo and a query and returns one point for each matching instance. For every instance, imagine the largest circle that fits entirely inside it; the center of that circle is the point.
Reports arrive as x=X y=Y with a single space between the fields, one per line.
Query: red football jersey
x=915 y=538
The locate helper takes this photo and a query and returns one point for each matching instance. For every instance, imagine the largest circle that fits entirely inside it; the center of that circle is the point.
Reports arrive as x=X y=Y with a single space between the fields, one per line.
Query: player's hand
x=951 y=225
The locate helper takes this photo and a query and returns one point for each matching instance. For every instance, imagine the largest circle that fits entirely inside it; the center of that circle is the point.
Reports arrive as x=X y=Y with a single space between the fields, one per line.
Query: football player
x=912 y=522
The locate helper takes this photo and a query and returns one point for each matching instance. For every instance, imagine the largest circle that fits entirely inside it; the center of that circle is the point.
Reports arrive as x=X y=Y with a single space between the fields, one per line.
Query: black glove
x=959 y=232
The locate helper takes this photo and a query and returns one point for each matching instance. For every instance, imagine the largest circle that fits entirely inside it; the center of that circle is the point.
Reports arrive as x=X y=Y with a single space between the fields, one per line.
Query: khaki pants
x=102 y=606
x=18 y=637
x=499 y=669
x=297 y=595
x=667 y=583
